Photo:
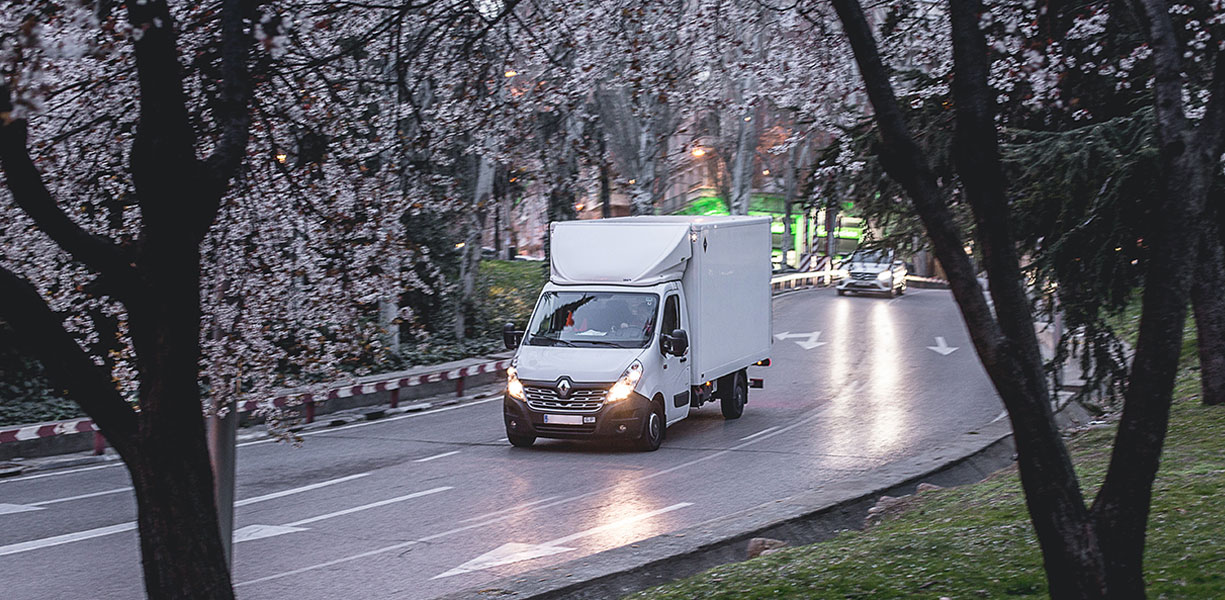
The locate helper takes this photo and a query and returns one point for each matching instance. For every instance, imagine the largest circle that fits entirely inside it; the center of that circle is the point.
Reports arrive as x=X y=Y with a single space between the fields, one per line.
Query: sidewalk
x=433 y=381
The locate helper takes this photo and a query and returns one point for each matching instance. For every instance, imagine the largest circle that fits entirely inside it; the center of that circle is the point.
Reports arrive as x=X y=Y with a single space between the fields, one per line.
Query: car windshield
x=869 y=257
x=617 y=319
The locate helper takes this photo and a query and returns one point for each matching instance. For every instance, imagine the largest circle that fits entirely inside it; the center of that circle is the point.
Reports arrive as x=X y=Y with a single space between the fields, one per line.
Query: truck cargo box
x=722 y=263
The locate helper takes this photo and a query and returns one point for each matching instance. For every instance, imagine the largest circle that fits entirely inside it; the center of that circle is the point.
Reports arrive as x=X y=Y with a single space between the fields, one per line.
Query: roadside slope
x=976 y=541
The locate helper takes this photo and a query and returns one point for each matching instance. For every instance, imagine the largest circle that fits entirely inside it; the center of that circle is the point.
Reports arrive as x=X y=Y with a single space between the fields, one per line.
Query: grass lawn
x=976 y=541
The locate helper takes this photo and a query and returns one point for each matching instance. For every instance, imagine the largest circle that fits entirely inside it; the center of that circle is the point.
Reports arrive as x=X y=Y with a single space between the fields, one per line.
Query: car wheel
x=841 y=292
x=520 y=441
x=653 y=431
x=732 y=401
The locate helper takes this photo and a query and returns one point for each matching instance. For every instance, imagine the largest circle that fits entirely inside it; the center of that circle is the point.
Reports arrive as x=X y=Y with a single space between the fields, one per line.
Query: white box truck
x=642 y=320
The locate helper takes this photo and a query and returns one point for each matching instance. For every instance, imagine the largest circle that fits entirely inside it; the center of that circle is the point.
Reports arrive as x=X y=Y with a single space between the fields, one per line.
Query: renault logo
x=563 y=388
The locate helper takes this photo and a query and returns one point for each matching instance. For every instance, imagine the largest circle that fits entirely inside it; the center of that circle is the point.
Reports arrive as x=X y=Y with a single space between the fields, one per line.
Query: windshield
x=870 y=257
x=616 y=319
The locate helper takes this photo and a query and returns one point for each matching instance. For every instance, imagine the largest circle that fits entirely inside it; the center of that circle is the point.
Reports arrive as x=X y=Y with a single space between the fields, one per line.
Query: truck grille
x=544 y=399
x=863 y=276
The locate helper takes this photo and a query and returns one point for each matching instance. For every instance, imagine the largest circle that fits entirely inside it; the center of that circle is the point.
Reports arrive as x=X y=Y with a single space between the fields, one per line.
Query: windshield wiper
x=555 y=341
x=602 y=343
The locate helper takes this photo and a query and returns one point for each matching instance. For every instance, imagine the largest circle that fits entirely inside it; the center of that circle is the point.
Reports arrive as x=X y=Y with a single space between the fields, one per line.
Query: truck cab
x=607 y=351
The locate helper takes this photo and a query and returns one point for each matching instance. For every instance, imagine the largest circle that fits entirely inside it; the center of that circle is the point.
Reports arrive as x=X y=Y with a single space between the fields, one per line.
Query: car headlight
x=884 y=276
x=626 y=383
x=514 y=387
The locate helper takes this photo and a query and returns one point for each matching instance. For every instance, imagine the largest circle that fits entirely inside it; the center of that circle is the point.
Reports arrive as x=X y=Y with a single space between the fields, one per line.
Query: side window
x=672 y=314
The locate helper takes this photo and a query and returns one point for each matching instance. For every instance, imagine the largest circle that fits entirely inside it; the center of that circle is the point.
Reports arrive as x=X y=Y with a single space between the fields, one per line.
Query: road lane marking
x=808 y=342
x=349 y=511
x=259 y=532
x=67 y=538
x=298 y=490
x=131 y=525
x=942 y=347
x=507 y=510
x=763 y=431
x=437 y=456
x=11 y=509
x=812 y=415
x=81 y=497
x=58 y=473
x=516 y=552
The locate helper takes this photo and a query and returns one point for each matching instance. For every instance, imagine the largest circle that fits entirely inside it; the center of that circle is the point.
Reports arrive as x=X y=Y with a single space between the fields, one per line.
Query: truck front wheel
x=733 y=394
x=653 y=430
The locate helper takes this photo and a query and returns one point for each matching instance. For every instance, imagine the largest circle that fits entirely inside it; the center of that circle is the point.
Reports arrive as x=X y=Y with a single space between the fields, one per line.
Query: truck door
x=676 y=368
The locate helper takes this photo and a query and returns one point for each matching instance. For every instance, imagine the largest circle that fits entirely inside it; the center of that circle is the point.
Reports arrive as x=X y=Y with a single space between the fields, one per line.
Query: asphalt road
x=429 y=503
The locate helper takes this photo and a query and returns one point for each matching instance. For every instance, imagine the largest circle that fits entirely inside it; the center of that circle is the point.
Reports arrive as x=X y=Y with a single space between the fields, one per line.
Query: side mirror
x=678 y=342
x=510 y=337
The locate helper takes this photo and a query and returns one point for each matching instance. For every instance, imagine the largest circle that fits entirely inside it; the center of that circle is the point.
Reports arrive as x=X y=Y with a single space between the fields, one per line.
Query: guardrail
x=60 y=437
x=801 y=279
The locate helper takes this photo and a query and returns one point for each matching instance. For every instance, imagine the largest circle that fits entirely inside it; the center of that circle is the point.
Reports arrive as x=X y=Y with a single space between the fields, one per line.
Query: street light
x=698 y=152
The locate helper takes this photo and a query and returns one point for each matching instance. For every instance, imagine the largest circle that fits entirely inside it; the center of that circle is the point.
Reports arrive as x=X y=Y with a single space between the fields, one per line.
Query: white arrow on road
x=257 y=531
x=515 y=552
x=808 y=343
x=942 y=347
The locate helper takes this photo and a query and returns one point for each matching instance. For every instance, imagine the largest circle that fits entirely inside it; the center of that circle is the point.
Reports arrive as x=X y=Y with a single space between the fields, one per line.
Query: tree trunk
x=1208 y=304
x=742 y=163
x=470 y=255
x=176 y=511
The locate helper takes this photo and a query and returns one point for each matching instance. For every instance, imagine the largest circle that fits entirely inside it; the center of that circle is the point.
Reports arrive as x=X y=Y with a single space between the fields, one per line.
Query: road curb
x=801 y=519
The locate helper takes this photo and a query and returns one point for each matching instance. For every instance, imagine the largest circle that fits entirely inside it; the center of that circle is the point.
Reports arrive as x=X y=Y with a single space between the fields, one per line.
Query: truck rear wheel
x=733 y=394
x=652 y=431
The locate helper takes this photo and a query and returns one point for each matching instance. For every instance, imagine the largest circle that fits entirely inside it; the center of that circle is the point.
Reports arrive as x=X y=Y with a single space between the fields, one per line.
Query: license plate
x=563 y=419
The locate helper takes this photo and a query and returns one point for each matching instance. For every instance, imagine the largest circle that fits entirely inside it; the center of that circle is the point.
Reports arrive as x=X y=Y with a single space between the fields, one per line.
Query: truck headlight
x=514 y=387
x=626 y=383
x=884 y=276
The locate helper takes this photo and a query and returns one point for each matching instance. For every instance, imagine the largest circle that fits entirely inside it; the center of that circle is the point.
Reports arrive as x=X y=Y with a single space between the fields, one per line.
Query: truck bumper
x=617 y=420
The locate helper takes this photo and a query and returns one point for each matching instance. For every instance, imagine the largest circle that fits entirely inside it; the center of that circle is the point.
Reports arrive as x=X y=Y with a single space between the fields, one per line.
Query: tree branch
x=69 y=367
x=25 y=183
x=904 y=161
x=1211 y=136
x=977 y=155
x=1167 y=63
x=233 y=107
x=165 y=170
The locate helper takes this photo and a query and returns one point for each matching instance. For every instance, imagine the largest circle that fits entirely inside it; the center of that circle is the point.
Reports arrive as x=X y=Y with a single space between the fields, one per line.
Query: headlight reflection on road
x=844 y=437
x=839 y=355
x=886 y=414
x=627 y=498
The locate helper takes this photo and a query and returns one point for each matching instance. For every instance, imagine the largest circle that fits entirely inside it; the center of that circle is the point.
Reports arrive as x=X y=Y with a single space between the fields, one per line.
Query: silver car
x=873 y=271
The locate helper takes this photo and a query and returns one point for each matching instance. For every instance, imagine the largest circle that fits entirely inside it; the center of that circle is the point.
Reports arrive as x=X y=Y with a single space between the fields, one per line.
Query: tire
x=652 y=431
x=732 y=401
x=520 y=441
x=841 y=292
